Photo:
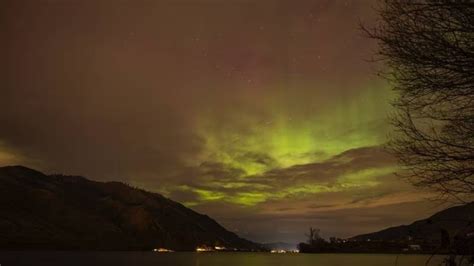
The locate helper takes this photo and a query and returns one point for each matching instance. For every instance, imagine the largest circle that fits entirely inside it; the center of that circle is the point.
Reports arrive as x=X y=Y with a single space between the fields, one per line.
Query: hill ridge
x=455 y=220
x=73 y=212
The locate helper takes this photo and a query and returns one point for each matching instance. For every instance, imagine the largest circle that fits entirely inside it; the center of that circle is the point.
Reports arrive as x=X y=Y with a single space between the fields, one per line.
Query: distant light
x=279 y=251
x=165 y=250
x=219 y=248
x=162 y=250
x=204 y=249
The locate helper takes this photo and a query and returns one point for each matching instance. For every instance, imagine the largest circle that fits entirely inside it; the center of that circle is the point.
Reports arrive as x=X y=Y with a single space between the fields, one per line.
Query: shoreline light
x=162 y=250
x=204 y=249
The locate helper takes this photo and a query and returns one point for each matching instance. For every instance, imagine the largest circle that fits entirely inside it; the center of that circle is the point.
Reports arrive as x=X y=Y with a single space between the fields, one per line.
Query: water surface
x=207 y=259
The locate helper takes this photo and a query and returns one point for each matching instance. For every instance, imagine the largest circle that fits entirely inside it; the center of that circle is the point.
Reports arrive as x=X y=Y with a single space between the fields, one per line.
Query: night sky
x=265 y=115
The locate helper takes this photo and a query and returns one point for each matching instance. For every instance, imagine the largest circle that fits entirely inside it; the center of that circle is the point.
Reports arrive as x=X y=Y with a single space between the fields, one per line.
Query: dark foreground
x=206 y=259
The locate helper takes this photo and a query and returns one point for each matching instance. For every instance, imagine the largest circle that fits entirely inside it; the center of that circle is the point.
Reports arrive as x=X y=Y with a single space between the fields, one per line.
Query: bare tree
x=314 y=236
x=428 y=47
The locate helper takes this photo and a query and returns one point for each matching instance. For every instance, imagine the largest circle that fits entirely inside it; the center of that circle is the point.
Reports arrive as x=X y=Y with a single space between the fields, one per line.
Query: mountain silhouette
x=39 y=211
x=454 y=221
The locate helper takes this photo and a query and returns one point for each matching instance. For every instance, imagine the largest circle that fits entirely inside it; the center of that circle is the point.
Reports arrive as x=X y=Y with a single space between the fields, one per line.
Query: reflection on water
x=207 y=259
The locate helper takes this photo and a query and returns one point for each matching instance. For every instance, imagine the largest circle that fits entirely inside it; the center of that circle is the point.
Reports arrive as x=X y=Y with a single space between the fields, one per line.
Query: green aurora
x=252 y=146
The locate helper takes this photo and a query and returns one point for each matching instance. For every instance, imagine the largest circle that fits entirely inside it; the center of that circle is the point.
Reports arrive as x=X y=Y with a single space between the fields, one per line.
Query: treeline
x=459 y=244
x=363 y=247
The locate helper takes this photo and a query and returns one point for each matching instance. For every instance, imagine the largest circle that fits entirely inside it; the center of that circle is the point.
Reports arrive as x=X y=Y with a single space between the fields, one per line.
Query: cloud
x=352 y=170
x=351 y=188
x=8 y=156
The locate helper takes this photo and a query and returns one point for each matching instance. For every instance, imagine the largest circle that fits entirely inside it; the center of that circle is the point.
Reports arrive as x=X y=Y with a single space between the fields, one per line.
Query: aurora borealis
x=265 y=115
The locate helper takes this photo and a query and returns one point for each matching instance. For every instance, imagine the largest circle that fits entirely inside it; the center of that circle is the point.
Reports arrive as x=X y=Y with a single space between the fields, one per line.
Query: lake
x=17 y=258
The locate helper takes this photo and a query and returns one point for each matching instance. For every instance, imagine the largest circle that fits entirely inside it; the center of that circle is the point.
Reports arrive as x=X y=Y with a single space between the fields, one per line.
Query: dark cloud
x=319 y=206
x=354 y=203
x=353 y=160
x=184 y=195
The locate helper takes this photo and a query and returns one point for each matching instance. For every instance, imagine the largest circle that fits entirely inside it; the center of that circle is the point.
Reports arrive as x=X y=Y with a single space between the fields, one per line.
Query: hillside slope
x=455 y=220
x=39 y=211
